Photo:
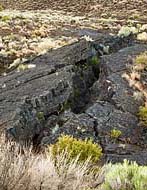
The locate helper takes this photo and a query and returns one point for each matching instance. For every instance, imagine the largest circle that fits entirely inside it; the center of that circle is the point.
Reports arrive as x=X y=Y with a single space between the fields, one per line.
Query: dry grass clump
x=137 y=79
x=26 y=171
x=22 y=170
x=135 y=76
x=14 y=167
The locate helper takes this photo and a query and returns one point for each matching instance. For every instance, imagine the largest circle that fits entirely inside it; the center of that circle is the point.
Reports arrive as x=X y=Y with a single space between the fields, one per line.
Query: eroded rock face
x=116 y=108
x=70 y=92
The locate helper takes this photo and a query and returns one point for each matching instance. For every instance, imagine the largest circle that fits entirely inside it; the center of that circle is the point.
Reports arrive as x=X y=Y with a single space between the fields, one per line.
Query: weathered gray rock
x=111 y=85
x=108 y=118
x=29 y=97
x=140 y=157
x=116 y=108
x=67 y=93
x=80 y=126
x=34 y=92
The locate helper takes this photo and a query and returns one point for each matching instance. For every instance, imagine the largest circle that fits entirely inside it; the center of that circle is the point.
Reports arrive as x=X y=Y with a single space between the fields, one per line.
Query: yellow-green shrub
x=83 y=149
x=141 y=59
x=5 y=18
x=143 y=115
x=94 y=60
x=1 y=7
x=141 y=62
x=126 y=176
x=115 y=133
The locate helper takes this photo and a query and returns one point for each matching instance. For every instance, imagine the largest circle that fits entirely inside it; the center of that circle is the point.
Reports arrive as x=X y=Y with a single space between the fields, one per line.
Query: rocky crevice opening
x=77 y=90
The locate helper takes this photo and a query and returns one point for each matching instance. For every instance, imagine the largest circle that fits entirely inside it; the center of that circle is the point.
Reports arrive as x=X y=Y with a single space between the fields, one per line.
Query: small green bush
x=94 y=60
x=115 y=133
x=143 y=115
x=5 y=18
x=126 y=176
x=83 y=149
x=40 y=115
x=1 y=7
x=141 y=59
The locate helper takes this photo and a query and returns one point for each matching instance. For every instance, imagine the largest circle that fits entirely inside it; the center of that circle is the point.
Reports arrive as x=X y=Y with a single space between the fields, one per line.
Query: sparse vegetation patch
x=85 y=149
x=126 y=176
x=143 y=115
x=115 y=133
x=141 y=59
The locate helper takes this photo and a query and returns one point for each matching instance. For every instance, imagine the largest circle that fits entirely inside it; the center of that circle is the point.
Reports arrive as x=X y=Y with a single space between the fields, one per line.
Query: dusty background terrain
x=25 y=32
x=120 y=8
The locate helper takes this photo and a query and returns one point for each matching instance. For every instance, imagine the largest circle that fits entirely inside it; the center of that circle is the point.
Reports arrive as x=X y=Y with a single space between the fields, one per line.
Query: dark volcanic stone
x=65 y=94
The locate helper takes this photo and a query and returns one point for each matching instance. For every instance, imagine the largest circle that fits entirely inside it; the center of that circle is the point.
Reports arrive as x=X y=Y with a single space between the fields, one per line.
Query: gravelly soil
x=25 y=33
x=121 y=8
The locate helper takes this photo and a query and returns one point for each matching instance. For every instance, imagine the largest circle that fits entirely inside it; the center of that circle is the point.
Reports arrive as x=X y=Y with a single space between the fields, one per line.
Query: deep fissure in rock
x=85 y=74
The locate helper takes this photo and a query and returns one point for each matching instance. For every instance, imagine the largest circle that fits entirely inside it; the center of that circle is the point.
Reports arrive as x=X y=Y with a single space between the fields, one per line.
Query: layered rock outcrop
x=80 y=91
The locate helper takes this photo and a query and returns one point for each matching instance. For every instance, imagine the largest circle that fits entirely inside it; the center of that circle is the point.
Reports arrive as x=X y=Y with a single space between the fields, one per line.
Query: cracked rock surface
x=69 y=93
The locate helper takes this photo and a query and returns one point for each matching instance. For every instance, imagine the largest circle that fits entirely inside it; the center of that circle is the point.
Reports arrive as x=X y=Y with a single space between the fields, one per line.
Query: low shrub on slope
x=26 y=171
